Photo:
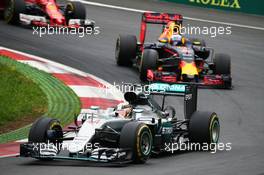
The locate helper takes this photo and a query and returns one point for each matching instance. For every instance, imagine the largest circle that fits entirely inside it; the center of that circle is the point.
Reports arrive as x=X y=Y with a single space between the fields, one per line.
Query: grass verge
x=62 y=102
x=21 y=99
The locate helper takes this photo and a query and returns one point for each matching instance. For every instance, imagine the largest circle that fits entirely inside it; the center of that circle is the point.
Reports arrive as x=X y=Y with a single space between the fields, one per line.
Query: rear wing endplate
x=188 y=91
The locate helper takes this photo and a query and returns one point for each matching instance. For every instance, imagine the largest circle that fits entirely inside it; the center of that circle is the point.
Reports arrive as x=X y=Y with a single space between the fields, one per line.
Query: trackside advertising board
x=245 y=6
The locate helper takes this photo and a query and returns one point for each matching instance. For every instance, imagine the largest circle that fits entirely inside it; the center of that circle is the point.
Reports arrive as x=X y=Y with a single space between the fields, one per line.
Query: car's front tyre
x=222 y=63
x=138 y=138
x=148 y=61
x=13 y=10
x=46 y=130
x=75 y=10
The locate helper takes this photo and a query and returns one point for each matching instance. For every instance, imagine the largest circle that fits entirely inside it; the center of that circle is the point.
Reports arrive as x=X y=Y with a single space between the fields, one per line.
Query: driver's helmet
x=177 y=40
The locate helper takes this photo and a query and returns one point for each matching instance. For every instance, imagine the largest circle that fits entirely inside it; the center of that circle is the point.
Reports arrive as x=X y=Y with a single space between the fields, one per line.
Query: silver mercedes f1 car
x=106 y=136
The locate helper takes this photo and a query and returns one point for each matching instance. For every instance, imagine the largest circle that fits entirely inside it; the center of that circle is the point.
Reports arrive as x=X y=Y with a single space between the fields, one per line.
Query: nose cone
x=54 y=13
x=189 y=68
x=59 y=21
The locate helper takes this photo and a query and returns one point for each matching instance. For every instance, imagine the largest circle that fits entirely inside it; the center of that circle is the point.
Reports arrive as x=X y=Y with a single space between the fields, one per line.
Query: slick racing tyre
x=204 y=127
x=204 y=54
x=138 y=138
x=46 y=130
x=222 y=64
x=12 y=11
x=148 y=61
x=126 y=50
x=75 y=10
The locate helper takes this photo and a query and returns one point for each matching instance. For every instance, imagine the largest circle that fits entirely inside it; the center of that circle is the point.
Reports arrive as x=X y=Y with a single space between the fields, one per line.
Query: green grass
x=62 y=102
x=20 y=96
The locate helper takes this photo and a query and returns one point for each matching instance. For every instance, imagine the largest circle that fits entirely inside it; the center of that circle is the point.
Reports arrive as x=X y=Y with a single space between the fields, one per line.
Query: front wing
x=215 y=81
x=41 y=21
x=102 y=155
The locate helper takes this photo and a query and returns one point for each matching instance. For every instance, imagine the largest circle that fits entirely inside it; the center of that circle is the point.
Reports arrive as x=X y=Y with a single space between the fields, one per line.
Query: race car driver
x=124 y=110
x=169 y=30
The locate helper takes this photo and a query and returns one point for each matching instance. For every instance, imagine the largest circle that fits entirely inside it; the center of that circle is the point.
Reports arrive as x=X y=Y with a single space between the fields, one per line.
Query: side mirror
x=130 y=97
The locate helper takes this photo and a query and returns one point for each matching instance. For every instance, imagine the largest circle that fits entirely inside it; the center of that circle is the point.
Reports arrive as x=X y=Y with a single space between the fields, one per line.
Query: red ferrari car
x=44 y=13
x=173 y=58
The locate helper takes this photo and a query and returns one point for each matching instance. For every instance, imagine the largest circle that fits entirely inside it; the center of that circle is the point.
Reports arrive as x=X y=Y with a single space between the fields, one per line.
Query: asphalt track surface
x=240 y=110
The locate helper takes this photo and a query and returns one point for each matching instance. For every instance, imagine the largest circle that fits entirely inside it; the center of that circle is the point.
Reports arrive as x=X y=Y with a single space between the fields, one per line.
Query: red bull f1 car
x=186 y=61
x=44 y=13
x=150 y=128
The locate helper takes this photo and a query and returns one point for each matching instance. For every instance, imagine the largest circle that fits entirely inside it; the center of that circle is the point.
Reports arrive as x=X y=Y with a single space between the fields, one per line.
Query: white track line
x=188 y=18
x=115 y=92
x=9 y=155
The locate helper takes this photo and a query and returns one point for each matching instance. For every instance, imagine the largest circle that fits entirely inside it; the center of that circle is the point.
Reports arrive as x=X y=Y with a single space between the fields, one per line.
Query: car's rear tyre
x=126 y=50
x=204 y=127
x=200 y=53
x=13 y=9
x=75 y=10
x=46 y=130
x=148 y=61
x=137 y=137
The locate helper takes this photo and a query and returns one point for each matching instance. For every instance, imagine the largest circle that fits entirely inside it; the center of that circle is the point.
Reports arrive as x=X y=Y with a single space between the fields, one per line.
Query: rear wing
x=189 y=92
x=161 y=18
x=157 y=18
